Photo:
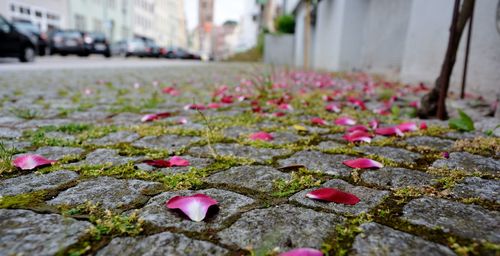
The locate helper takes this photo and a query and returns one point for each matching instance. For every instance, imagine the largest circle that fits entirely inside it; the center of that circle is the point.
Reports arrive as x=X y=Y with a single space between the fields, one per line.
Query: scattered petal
x=228 y=99
x=195 y=206
x=158 y=163
x=302 y=252
x=423 y=126
x=363 y=163
x=285 y=106
x=389 y=131
x=358 y=136
x=261 y=136
x=333 y=195
x=345 y=121
x=214 y=105
x=318 y=121
x=31 y=161
x=195 y=107
x=445 y=155
x=332 y=107
x=357 y=128
x=153 y=117
x=373 y=124
x=170 y=91
x=182 y=120
x=407 y=127
x=178 y=161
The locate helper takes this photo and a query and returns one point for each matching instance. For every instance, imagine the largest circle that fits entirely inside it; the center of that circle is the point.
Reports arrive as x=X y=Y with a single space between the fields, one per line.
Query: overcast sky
x=224 y=10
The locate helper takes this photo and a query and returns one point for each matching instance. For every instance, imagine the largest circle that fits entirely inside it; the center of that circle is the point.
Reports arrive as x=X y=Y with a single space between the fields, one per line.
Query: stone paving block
x=369 y=198
x=260 y=155
x=430 y=142
x=16 y=145
x=6 y=120
x=36 y=123
x=282 y=226
x=325 y=145
x=380 y=240
x=477 y=187
x=397 y=155
x=60 y=136
x=255 y=177
x=161 y=244
x=394 y=178
x=465 y=220
x=9 y=133
x=125 y=118
x=57 y=153
x=469 y=163
x=318 y=161
x=155 y=212
x=24 y=232
x=115 y=138
x=165 y=142
x=103 y=156
x=108 y=192
x=281 y=138
x=237 y=132
x=35 y=181
x=194 y=162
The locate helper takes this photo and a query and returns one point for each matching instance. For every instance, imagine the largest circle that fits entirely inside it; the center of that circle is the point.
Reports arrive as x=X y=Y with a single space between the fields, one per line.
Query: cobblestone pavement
x=101 y=198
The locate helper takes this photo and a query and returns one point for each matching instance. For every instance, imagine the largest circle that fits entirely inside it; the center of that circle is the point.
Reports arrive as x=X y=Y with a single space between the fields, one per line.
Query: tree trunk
x=433 y=103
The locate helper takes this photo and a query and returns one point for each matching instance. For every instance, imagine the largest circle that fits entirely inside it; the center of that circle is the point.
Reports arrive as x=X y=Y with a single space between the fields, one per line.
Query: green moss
x=448 y=177
x=25 y=113
x=23 y=200
x=345 y=234
x=6 y=160
x=480 y=145
x=345 y=150
x=300 y=180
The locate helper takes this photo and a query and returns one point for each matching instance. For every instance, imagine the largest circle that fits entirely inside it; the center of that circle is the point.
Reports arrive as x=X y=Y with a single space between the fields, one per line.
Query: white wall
x=278 y=49
x=427 y=41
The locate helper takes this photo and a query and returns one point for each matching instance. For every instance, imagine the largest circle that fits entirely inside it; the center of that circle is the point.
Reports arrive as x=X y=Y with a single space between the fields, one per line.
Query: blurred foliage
x=285 y=24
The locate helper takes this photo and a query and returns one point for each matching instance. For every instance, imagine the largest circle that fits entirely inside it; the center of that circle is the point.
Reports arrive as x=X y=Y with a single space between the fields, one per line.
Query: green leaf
x=462 y=123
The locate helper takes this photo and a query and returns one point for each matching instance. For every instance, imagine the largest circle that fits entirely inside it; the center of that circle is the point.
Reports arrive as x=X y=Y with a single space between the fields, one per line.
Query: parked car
x=15 y=43
x=98 y=43
x=179 y=53
x=27 y=27
x=66 y=42
x=152 y=49
x=132 y=47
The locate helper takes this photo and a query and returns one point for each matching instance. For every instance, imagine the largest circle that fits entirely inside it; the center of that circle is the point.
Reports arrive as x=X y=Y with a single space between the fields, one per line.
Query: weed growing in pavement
x=5 y=159
x=24 y=113
x=300 y=180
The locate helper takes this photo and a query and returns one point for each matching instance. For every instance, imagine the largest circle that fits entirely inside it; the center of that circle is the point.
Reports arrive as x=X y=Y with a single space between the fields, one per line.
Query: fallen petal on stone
x=302 y=252
x=195 y=206
x=364 y=163
x=158 y=163
x=345 y=121
x=333 y=195
x=389 y=131
x=358 y=128
x=261 y=136
x=178 y=161
x=358 y=136
x=373 y=124
x=153 y=117
x=408 y=127
x=31 y=161
x=332 y=107
x=318 y=121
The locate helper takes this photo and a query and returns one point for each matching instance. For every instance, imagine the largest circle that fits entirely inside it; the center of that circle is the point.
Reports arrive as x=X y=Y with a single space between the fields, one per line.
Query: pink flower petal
x=332 y=107
x=170 y=91
x=158 y=163
x=31 y=161
x=178 y=161
x=373 y=124
x=406 y=127
x=228 y=99
x=182 y=120
x=318 y=121
x=214 y=105
x=445 y=155
x=357 y=128
x=195 y=107
x=345 y=121
x=285 y=106
x=302 y=252
x=357 y=102
x=423 y=126
x=195 y=206
x=358 y=136
x=261 y=136
x=389 y=131
x=333 y=195
x=364 y=163
x=153 y=117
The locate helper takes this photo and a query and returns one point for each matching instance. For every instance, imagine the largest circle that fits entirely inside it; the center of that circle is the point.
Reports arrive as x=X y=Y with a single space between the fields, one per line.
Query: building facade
x=46 y=14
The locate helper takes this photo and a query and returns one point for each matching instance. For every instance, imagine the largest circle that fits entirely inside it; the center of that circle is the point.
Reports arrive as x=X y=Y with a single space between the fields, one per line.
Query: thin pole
x=307 y=33
x=467 y=49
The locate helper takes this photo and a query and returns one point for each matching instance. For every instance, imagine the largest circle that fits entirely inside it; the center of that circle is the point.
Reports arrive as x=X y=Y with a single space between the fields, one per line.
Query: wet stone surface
x=475 y=187
x=434 y=143
x=165 y=142
x=469 y=221
x=397 y=155
x=109 y=193
x=259 y=155
x=378 y=239
x=255 y=177
x=35 y=181
x=369 y=198
x=397 y=178
x=161 y=244
x=23 y=232
x=469 y=163
x=283 y=226
x=317 y=161
x=156 y=214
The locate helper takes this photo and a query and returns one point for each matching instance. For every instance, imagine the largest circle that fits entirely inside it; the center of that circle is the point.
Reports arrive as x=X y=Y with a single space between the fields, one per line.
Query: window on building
x=38 y=13
x=79 y=22
x=12 y=8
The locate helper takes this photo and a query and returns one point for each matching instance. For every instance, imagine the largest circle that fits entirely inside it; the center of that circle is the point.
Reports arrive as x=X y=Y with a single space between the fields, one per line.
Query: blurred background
x=403 y=40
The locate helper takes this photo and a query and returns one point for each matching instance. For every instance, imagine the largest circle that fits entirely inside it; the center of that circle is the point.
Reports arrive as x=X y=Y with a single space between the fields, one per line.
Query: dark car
x=28 y=27
x=152 y=48
x=98 y=43
x=66 y=42
x=131 y=47
x=15 y=43
x=179 y=53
